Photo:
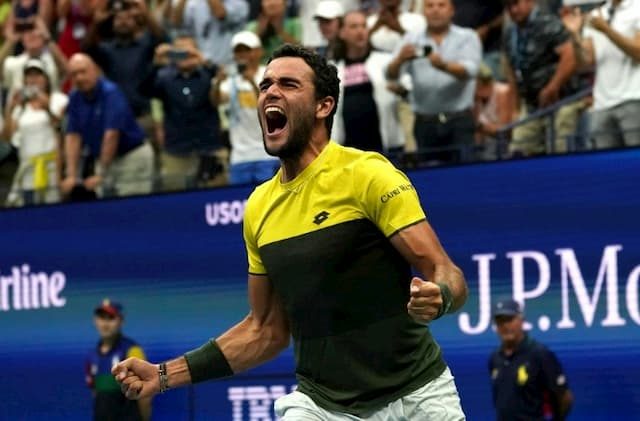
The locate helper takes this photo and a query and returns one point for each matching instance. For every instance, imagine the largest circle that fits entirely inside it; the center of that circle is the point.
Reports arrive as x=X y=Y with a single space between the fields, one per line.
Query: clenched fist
x=426 y=300
x=138 y=379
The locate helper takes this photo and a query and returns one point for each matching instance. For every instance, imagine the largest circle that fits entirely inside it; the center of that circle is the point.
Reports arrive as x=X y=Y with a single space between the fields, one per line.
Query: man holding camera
x=181 y=80
x=443 y=62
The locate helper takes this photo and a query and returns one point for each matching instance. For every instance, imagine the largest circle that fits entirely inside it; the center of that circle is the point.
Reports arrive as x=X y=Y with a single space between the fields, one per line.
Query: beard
x=301 y=124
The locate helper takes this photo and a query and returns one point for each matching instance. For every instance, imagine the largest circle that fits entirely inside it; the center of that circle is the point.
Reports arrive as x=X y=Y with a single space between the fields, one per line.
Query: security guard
x=528 y=381
x=109 y=403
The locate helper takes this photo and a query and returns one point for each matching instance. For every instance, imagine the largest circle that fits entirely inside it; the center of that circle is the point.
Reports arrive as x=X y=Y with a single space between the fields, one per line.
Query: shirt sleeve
x=73 y=125
x=256 y=267
x=386 y=194
x=58 y=103
x=236 y=11
x=471 y=54
x=556 y=32
x=554 y=377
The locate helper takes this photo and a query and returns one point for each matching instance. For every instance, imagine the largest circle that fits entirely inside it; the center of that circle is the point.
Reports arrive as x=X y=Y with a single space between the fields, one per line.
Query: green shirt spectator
x=274 y=28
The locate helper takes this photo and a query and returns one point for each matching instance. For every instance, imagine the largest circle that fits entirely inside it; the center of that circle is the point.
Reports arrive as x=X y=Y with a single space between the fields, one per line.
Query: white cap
x=329 y=9
x=34 y=63
x=247 y=38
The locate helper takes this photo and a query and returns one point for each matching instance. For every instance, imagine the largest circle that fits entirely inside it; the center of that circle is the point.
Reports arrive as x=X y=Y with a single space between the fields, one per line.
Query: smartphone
x=423 y=51
x=176 y=55
x=29 y=92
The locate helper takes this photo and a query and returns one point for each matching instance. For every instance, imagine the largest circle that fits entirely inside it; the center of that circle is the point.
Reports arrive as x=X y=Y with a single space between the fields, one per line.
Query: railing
x=549 y=112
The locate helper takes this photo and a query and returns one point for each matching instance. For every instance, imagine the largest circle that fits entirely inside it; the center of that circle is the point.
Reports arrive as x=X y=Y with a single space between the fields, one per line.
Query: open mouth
x=276 y=119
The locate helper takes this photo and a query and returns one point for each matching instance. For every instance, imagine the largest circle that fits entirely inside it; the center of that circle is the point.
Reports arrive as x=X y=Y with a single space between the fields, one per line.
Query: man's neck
x=291 y=168
x=124 y=38
x=438 y=32
x=356 y=53
x=106 y=344
x=509 y=348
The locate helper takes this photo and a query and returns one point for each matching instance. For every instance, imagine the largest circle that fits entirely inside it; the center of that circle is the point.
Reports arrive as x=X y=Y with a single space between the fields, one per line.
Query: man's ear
x=324 y=107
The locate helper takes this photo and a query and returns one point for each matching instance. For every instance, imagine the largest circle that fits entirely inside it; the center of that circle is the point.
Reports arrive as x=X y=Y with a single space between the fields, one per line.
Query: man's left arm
x=443 y=288
x=561 y=44
x=629 y=45
x=115 y=114
x=556 y=382
x=467 y=61
x=391 y=202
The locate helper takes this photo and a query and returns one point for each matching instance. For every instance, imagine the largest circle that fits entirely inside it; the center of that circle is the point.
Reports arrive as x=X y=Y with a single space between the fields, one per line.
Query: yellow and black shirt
x=322 y=240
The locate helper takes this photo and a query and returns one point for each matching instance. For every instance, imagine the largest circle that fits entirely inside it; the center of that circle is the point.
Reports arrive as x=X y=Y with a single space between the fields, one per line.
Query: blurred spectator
x=37 y=44
x=109 y=403
x=611 y=41
x=127 y=59
x=311 y=35
x=487 y=18
x=77 y=16
x=273 y=27
x=33 y=119
x=367 y=115
x=443 y=62
x=182 y=79
x=493 y=109
x=25 y=13
x=328 y=17
x=541 y=62
x=249 y=163
x=212 y=23
x=387 y=28
x=100 y=120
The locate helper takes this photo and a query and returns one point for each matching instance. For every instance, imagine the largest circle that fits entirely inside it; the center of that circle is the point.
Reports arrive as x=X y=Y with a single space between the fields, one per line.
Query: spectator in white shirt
x=610 y=40
x=33 y=120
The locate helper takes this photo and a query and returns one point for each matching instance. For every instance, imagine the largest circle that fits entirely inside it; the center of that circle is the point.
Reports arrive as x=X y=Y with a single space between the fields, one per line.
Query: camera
x=23 y=25
x=423 y=51
x=241 y=67
x=176 y=55
x=29 y=92
x=118 y=5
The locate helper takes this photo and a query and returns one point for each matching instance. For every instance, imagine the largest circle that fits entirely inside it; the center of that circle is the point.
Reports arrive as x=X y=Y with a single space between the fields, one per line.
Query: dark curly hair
x=325 y=80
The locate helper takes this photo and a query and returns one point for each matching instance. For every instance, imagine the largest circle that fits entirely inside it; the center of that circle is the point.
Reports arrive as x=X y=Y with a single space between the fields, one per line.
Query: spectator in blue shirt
x=101 y=121
x=181 y=80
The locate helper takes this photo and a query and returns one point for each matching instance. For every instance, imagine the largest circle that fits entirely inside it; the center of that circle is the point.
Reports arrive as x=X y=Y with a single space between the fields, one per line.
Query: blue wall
x=179 y=268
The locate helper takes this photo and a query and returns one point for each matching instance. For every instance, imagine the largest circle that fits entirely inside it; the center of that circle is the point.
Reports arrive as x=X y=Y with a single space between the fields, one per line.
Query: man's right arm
x=72 y=147
x=406 y=53
x=177 y=15
x=262 y=335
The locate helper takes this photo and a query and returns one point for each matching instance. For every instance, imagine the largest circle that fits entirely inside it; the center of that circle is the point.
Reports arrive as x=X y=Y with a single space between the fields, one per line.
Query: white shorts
x=438 y=400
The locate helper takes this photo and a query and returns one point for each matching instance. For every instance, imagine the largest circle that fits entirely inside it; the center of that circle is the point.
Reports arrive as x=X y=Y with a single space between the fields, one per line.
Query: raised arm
x=259 y=337
x=445 y=289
